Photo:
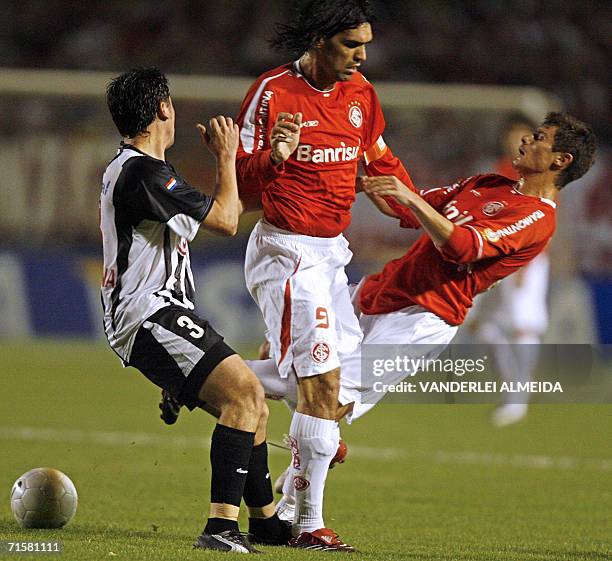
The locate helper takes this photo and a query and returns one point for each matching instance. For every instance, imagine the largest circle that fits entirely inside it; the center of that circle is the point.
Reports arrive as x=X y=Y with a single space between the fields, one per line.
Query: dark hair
x=320 y=19
x=576 y=138
x=134 y=97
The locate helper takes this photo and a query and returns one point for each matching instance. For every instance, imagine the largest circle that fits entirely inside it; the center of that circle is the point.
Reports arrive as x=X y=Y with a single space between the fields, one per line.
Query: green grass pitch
x=422 y=482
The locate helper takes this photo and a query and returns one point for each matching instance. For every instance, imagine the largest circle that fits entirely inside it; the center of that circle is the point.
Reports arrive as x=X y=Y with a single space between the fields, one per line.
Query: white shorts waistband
x=264 y=228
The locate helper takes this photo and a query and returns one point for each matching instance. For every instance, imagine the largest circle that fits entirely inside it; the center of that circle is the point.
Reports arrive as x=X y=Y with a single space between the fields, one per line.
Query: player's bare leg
x=234 y=392
x=225 y=396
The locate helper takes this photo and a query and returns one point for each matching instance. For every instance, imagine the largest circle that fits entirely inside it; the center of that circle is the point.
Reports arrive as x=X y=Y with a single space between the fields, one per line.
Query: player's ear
x=164 y=111
x=562 y=160
x=317 y=44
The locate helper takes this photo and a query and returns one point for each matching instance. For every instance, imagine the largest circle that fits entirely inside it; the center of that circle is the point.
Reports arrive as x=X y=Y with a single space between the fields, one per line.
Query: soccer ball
x=43 y=498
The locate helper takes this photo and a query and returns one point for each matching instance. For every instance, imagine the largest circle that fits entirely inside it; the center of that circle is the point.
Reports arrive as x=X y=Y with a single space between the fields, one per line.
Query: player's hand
x=285 y=136
x=388 y=186
x=221 y=138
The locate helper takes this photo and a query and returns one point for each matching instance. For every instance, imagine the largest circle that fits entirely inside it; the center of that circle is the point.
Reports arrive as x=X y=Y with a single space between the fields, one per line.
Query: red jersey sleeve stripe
x=428 y=191
x=480 y=241
x=247 y=132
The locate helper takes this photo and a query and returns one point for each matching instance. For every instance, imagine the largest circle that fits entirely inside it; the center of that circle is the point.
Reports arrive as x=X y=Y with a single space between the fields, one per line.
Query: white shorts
x=414 y=326
x=301 y=288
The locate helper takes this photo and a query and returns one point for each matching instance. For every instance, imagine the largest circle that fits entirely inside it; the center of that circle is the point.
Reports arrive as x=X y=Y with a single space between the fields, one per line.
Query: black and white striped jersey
x=148 y=215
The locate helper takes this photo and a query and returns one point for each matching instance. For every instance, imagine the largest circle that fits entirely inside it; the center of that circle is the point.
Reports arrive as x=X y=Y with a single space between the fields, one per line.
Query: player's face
x=170 y=116
x=341 y=55
x=514 y=136
x=535 y=154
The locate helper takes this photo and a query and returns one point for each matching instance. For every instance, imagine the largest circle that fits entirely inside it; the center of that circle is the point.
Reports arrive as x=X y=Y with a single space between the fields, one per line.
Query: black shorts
x=177 y=350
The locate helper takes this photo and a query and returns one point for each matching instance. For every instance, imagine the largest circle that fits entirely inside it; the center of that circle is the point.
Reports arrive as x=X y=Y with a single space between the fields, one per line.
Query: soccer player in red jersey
x=304 y=127
x=476 y=232
x=513 y=316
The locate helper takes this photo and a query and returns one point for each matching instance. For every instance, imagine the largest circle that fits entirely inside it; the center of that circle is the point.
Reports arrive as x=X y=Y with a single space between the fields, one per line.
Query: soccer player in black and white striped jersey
x=149 y=214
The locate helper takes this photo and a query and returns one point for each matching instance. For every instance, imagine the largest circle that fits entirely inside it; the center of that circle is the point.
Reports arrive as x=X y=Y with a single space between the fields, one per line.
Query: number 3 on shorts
x=322 y=316
x=196 y=331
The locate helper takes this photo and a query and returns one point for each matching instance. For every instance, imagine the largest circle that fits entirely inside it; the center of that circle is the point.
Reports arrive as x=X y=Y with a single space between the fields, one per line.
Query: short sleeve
x=152 y=190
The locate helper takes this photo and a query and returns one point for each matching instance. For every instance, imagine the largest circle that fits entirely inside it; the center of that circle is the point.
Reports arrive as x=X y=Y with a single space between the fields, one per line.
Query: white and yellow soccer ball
x=43 y=498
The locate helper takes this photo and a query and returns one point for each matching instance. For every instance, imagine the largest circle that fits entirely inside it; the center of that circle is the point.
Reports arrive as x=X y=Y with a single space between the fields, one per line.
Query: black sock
x=258 y=487
x=230 y=452
x=268 y=527
x=258 y=492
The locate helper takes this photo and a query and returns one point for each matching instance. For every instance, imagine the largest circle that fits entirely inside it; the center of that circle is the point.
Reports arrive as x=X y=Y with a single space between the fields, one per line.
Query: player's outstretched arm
x=222 y=140
x=438 y=227
x=378 y=201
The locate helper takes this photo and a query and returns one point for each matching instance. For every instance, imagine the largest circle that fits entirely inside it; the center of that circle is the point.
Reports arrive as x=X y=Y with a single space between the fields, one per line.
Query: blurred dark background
x=564 y=47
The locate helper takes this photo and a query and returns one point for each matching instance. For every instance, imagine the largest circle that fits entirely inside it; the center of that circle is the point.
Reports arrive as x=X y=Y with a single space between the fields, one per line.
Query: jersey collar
x=297 y=67
x=123 y=146
x=545 y=201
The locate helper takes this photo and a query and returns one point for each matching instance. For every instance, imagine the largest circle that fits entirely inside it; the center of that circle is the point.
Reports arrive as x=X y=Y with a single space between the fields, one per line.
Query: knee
x=249 y=397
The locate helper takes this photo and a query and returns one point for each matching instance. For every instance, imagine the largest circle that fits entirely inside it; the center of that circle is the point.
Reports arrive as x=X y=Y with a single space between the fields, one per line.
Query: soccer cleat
x=230 y=540
x=281 y=539
x=170 y=408
x=323 y=539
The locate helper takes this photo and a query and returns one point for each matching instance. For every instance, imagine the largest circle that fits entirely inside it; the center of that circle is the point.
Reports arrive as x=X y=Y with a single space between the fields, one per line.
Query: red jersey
x=312 y=192
x=497 y=230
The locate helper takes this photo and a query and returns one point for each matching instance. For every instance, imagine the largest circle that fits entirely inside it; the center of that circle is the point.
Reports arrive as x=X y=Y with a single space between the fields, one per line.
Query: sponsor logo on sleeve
x=262 y=118
x=495 y=235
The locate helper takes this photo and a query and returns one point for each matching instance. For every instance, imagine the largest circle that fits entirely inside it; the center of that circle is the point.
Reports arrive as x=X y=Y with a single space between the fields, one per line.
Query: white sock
x=285 y=507
x=288 y=488
x=314 y=444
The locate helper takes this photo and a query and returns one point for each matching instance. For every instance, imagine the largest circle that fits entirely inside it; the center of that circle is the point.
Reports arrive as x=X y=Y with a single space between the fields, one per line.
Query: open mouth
x=521 y=151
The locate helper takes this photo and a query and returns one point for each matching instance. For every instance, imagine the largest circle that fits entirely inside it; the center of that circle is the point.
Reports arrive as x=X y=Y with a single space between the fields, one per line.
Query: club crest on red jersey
x=355 y=115
x=492 y=208
x=320 y=352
